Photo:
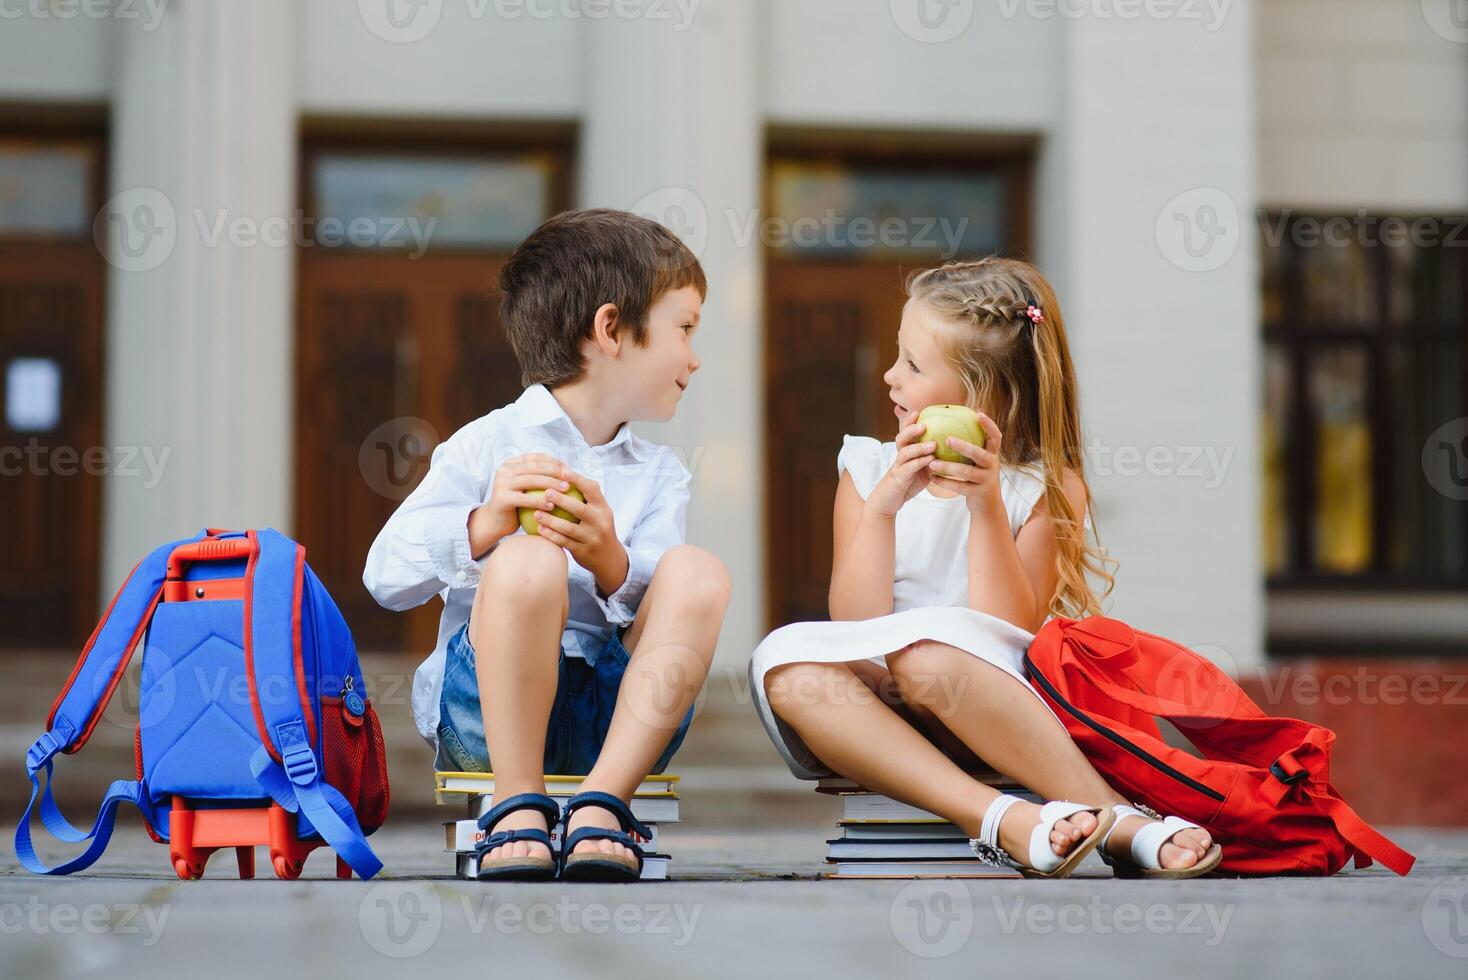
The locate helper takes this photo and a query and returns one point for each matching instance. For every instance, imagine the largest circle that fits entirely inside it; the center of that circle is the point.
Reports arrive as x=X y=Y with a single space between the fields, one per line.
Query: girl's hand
x=979 y=483
x=909 y=473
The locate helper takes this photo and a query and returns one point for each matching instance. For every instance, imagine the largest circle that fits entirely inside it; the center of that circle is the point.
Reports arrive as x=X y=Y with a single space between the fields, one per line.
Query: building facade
x=255 y=361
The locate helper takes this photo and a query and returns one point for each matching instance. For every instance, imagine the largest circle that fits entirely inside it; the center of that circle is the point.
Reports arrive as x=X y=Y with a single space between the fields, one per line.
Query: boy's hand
x=908 y=474
x=979 y=483
x=593 y=542
x=496 y=518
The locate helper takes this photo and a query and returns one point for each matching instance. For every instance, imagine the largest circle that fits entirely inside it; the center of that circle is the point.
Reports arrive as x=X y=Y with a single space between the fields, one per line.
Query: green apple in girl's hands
x=528 y=516
x=942 y=421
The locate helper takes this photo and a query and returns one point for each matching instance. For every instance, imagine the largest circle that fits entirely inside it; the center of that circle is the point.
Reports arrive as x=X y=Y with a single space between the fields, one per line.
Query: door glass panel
x=827 y=210
x=33 y=394
x=44 y=188
x=410 y=202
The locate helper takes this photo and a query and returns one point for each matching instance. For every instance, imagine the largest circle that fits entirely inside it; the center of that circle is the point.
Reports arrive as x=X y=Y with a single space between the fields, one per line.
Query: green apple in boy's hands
x=960 y=421
x=499 y=516
x=529 y=518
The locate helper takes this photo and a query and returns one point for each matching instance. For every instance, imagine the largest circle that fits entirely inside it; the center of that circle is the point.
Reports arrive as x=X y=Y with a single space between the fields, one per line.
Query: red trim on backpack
x=86 y=650
x=122 y=662
x=300 y=589
x=249 y=647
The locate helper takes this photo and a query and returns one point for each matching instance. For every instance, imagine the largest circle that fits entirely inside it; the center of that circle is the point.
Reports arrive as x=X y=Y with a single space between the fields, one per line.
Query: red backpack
x=1262 y=788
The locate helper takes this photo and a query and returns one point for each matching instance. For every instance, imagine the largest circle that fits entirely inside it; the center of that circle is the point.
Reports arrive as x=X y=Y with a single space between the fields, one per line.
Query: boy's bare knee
x=702 y=579
x=523 y=569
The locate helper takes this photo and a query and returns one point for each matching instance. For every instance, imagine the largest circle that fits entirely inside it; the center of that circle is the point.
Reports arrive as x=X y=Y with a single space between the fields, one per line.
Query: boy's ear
x=605 y=332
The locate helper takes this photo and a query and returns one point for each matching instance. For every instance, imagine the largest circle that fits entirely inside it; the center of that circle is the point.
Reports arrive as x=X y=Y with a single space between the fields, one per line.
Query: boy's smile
x=657 y=373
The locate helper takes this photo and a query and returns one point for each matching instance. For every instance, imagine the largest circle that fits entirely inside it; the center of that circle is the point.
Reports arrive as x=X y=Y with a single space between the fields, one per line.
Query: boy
x=538 y=631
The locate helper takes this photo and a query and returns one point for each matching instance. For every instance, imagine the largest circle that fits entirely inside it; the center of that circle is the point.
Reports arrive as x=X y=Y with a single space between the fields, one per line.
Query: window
x=46 y=187
x=1365 y=429
x=411 y=202
x=878 y=211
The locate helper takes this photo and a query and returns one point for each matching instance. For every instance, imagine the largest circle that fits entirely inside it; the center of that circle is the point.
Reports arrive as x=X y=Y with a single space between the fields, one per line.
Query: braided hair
x=1003 y=333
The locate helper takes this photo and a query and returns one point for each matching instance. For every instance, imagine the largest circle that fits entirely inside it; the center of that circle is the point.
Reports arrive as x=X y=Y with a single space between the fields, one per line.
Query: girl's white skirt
x=987 y=637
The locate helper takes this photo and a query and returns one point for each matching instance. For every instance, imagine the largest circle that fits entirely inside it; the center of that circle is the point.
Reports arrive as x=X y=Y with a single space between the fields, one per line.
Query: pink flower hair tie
x=1035 y=314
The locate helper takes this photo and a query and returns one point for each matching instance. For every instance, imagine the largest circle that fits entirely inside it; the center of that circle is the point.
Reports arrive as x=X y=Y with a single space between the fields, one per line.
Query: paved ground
x=743 y=903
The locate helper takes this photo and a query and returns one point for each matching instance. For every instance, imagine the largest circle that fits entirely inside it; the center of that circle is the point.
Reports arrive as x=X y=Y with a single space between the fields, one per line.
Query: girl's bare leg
x=843 y=722
x=993 y=713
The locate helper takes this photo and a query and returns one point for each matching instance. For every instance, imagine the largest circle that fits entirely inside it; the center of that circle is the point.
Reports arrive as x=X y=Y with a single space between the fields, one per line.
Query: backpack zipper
x=1102 y=730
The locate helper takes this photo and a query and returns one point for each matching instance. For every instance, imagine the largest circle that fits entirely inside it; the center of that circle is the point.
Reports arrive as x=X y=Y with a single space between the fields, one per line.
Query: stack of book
x=655 y=802
x=886 y=838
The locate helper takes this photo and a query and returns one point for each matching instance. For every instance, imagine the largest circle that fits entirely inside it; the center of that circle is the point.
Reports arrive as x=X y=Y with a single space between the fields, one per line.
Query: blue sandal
x=597 y=866
x=517 y=868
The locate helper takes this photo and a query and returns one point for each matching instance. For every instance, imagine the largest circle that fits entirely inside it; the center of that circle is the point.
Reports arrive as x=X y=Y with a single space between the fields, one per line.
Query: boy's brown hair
x=553 y=284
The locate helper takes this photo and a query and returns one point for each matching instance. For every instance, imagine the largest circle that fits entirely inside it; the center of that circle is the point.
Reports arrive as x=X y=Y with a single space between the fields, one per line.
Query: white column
x=199 y=317
x=673 y=130
x=1148 y=207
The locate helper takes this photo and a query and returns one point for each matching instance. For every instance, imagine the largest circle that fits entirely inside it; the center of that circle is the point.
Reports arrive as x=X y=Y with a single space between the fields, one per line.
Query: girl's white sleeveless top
x=931 y=566
x=929 y=592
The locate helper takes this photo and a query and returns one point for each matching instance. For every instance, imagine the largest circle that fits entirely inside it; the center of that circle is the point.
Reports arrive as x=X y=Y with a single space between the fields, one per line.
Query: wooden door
x=394 y=355
x=51 y=456
x=830 y=333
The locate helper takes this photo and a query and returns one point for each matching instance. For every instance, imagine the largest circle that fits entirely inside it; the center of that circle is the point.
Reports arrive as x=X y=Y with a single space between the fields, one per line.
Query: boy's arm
x=662 y=526
x=424 y=546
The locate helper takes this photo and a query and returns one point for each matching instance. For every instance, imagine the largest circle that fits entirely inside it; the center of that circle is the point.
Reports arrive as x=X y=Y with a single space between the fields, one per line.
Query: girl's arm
x=864 y=555
x=1014 y=578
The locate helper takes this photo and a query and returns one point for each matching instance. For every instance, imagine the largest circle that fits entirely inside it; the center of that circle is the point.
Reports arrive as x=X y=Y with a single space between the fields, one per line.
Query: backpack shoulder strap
x=286 y=762
x=79 y=706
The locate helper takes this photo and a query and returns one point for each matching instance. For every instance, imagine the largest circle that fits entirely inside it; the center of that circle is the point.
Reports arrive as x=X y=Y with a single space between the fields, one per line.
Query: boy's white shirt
x=423 y=549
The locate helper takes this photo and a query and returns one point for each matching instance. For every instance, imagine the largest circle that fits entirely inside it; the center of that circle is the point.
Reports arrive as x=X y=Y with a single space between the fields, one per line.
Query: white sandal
x=1044 y=862
x=1146 y=856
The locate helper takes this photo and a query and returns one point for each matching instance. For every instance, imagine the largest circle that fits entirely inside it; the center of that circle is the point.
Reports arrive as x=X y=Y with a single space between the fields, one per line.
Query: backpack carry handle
x=210 y=549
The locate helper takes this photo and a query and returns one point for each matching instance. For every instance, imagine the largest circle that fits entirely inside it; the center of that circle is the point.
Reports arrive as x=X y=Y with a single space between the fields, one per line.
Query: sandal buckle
x=989 y=854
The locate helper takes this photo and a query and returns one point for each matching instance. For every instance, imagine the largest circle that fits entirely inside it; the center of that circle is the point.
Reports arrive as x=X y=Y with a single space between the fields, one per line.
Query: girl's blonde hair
x=1017 y=368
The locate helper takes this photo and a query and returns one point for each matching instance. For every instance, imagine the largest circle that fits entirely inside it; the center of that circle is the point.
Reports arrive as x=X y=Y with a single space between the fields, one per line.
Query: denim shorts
x=580 y=714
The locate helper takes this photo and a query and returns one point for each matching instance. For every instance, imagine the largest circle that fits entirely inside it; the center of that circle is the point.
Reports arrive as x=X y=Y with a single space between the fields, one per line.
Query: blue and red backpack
x=253 y=721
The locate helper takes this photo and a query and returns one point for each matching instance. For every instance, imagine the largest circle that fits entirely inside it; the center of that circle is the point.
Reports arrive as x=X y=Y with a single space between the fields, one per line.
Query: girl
x=942 y=574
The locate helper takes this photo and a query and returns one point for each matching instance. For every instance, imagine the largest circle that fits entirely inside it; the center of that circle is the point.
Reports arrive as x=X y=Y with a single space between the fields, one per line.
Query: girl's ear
x=604 y=330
